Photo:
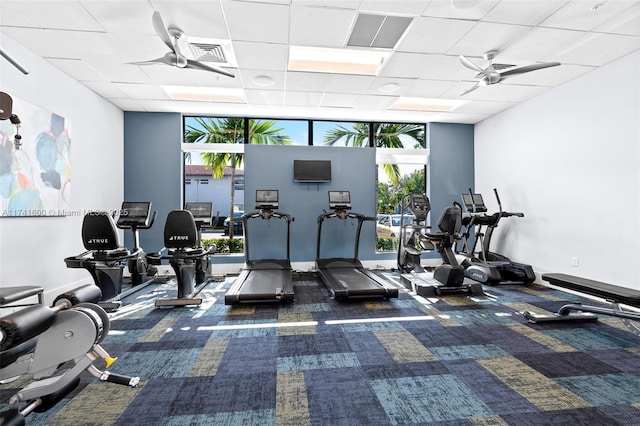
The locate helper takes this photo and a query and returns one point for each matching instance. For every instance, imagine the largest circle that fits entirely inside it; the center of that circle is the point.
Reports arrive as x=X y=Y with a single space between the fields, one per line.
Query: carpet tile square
x=468 y=352
x=342 y=397
x=411 y=400
x=566 y=364
x=605 y=389
x=315 y=362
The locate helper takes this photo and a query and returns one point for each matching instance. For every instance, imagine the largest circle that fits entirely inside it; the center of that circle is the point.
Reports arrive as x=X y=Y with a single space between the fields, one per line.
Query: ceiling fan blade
x=471 y=90
x=200 y=66
x=467 y=63
x=169 y=59
x=527 y=68
x=181 y=61
x=161 y=29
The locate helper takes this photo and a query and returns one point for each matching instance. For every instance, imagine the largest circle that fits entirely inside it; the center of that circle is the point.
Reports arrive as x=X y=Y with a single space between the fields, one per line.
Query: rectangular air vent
x=380 y=31
x=207 y=52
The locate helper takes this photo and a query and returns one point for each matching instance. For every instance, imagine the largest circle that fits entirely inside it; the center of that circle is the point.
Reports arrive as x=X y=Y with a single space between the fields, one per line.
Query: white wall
x=569 y=159
x=32 y=250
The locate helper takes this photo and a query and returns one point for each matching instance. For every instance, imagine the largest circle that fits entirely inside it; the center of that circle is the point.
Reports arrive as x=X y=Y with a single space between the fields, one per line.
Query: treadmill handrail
x=341 y=214
x=260 y=214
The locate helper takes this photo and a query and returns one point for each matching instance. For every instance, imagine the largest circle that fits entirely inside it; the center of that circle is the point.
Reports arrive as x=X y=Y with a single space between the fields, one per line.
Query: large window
x=214 y=149
x=401 y=160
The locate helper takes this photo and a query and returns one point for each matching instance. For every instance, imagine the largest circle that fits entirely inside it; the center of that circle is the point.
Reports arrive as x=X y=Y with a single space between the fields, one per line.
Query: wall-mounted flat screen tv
x=311 y=170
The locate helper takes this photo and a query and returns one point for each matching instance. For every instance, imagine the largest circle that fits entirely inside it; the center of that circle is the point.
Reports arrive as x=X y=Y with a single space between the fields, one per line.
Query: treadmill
x=346 y=278
x=263 y=280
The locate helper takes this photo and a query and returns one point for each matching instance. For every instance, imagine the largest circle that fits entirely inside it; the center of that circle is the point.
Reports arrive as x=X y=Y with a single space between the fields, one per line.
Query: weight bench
x=49 y=347
x=9 y=295
x=613 y=294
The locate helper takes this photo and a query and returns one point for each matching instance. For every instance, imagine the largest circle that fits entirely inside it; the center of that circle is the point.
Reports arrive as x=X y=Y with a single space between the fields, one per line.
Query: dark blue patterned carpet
x=456 y=360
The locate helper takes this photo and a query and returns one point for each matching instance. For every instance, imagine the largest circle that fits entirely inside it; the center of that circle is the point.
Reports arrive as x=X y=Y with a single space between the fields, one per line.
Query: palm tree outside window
x=209 y=130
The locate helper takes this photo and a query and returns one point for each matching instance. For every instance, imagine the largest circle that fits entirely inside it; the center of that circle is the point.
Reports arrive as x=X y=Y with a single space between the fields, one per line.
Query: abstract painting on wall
x=35 y=178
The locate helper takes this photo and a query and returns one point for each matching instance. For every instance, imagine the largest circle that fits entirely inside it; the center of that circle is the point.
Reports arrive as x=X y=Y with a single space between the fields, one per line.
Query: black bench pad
x=595 y=288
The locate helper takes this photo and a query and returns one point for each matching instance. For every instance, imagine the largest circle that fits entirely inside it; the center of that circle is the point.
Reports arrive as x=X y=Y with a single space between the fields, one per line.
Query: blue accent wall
x=153 y=169
x=451 y=169
x=271 y=167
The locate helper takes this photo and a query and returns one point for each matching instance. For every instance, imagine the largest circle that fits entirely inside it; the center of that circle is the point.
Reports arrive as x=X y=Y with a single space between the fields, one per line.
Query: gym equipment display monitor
x=339 y=200
x=134 y=212
x=267 y=199
x=474 y=203
x=201 y=211
x=311 y=170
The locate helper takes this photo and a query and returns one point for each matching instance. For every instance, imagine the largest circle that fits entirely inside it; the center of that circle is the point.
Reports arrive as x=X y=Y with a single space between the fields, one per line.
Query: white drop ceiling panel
x=351 y=84
x=408 y=65
x=524 y=12
x=320 y=27
x=460 y=9
x=259 y=22
x=486 y=36
x=434 y=35
x=578 y=14
x=77 y=69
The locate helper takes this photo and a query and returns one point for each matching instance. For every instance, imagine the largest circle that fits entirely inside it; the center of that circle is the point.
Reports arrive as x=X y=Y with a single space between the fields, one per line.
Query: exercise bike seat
x=449 y=224
x=100 y=236
x=181 y=232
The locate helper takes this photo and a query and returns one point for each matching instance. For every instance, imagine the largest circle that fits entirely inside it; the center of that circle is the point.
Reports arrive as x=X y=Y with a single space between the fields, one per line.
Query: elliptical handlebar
x=502 y=213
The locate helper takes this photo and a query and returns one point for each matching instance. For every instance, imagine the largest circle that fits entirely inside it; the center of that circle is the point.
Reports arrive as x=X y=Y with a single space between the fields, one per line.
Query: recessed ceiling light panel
x=205 y=94
x=339 y=61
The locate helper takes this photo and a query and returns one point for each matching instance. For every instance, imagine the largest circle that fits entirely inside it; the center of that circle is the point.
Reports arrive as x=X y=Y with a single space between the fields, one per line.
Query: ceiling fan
x=495 y=73
x=170 y=36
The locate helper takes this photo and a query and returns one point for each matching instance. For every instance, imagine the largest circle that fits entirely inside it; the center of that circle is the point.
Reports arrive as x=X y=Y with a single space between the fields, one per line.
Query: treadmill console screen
x=474 y=203
x=134 y=213
x=339 y=200
x=267 y=199
x=201 y=211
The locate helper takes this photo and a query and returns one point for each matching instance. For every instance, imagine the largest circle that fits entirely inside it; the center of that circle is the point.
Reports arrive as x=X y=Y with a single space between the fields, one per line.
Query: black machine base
x=449 y=275
x=424 y=285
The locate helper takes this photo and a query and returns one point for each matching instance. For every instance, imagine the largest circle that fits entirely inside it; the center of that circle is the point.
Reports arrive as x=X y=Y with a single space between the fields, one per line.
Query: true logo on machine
x=178 y=238
x=98 y=241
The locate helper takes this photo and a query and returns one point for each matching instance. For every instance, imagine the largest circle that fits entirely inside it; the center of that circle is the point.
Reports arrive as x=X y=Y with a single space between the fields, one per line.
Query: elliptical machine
x=447 y=277
x=484 y=265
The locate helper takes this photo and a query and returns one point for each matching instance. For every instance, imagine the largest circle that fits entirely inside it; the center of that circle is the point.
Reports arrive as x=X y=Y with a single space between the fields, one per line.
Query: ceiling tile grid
x=97 y=43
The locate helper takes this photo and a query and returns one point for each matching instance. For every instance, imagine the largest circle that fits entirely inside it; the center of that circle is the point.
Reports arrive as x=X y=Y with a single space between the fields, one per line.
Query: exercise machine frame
x=347 y=278
x=447 y=277
x=51 y=346
x=264 y=280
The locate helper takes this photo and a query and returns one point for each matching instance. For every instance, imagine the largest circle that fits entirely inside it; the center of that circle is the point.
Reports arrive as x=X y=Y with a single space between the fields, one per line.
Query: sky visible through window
x=298 y=132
